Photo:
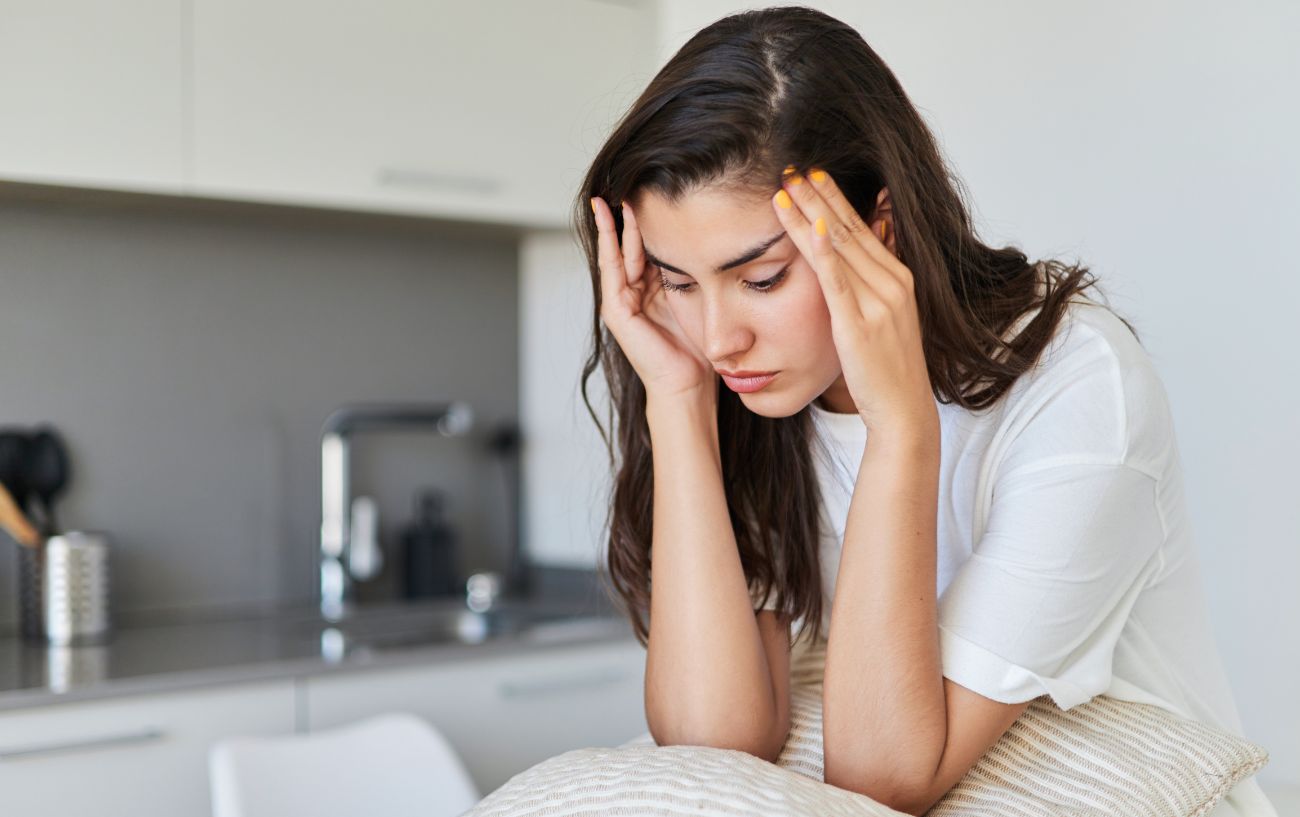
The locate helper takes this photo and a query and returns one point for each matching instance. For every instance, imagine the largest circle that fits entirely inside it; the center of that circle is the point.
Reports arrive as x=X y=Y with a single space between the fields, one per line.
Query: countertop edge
x=297 y=668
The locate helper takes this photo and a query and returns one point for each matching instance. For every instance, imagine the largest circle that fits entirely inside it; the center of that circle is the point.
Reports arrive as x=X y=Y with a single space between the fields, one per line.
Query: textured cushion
x=1101 y=758
x=669 y=780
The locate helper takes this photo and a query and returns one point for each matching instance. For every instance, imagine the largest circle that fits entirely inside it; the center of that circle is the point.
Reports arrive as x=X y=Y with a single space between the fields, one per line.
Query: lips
x=745 y=382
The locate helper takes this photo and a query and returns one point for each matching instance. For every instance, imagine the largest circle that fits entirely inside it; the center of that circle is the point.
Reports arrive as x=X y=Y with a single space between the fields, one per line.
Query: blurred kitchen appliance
x=348 y=554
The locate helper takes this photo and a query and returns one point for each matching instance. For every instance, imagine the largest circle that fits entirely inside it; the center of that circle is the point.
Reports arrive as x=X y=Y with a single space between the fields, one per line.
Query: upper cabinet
x=485 y=110
x=93 y=94
x=475 y=110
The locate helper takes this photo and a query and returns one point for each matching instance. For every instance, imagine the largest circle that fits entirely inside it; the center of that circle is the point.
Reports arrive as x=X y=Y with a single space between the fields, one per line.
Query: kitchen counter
x=566 y=607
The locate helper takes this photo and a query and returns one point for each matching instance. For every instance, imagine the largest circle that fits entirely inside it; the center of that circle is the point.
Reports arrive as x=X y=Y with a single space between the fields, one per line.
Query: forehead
x=704 y=228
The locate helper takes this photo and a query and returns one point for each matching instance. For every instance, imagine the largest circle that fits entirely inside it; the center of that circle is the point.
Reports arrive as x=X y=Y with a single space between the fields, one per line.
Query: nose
x=726 y=332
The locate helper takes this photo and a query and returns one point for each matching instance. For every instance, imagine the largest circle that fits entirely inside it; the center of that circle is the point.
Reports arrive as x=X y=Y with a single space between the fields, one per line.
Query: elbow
x=909 y=795
x=917 y=804
x=761 y=740
x=897 y=798
x=760 y=746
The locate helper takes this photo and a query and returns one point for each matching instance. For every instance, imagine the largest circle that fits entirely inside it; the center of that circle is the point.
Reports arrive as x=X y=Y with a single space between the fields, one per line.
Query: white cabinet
x=502 y=714
x=135 y=756
x=484 y=111
x=146 y=755
x=467 y=110
x=92 y=94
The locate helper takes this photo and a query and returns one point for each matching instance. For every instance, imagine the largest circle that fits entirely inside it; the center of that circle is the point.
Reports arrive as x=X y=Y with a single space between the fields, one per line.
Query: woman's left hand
x=869 y=292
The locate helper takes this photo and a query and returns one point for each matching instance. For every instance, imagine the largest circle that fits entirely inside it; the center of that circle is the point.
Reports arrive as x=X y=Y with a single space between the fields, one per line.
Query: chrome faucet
x=340 y=560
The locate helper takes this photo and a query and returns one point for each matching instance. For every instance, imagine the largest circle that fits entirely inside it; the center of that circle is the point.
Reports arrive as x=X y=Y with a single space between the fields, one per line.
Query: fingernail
x=783 y=199
x=820 y=226
x=882 y=231
x=793 y=177
x=818 y=175
x=593 y=205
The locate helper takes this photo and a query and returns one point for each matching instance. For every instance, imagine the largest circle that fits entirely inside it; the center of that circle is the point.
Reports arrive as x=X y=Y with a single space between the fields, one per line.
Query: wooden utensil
x=14 y=522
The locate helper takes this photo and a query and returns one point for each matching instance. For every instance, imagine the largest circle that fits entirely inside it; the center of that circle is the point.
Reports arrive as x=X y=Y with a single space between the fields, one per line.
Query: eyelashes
x=758 y=286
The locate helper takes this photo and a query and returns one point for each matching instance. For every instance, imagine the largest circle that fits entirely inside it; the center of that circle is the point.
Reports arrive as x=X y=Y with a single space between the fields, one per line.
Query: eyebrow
x=743 y=258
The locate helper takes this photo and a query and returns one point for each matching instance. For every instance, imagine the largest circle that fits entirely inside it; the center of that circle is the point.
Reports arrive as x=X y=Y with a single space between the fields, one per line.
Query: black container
x=431 y=551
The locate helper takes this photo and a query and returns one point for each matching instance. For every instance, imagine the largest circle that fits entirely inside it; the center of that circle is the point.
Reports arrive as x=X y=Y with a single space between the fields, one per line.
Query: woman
x=975 y=454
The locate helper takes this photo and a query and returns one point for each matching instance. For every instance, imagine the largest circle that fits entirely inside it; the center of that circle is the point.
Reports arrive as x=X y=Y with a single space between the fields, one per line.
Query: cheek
x=689 y=317
x=805 y=317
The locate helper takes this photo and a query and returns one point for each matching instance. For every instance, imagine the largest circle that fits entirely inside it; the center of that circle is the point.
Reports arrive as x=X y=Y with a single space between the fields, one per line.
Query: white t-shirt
x=1066 y=563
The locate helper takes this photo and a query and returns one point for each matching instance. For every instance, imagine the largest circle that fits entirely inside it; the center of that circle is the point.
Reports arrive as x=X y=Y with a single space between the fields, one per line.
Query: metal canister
x=64 y=590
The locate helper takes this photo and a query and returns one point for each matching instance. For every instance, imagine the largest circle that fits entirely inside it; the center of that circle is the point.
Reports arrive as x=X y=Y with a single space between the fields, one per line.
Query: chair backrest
x=389 y=765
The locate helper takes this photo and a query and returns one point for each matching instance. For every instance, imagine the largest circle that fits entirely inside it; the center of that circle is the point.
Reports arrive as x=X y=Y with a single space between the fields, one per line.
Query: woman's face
x=751 y=303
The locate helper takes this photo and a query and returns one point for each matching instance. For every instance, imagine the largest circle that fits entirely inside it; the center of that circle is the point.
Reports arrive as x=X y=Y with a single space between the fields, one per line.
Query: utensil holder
x=63 y=590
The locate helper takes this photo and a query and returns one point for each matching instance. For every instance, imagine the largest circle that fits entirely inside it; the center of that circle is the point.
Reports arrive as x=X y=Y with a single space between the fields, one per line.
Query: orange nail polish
x=820 y=226
x=882 y=231
x=784 y=200
x=818 y=175
x=593 y=205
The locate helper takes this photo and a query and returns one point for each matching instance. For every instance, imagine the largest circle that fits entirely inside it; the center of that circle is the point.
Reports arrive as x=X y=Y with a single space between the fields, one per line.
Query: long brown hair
x=745 y=97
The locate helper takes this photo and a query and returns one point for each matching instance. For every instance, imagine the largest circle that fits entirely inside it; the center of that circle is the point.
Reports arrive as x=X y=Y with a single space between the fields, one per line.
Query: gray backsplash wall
x=190 y=356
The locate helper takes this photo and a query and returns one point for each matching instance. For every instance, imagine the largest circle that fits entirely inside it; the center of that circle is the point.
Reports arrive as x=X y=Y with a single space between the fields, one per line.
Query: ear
x=885 y=213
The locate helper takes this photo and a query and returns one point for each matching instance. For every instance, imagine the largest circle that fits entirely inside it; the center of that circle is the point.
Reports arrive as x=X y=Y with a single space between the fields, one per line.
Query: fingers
x=844 y=211
x=633 y=250
x=613 y=277
x=851 y=240
x=838 y=275
x=861 y=232
x=839 y=283
x=841 y=238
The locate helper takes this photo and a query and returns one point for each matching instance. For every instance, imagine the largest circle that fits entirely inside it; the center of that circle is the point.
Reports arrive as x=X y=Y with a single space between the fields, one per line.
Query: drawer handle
x=142 y=736
x=523 y=689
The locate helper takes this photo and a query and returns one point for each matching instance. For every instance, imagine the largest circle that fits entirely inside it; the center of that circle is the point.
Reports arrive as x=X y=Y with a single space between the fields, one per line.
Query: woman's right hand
x=633 y=306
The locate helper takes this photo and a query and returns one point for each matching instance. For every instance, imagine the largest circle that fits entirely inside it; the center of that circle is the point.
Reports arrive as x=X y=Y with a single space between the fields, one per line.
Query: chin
x=774 y=405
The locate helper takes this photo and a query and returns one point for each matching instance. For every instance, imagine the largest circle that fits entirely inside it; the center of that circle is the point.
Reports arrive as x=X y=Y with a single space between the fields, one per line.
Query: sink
x=448 y=621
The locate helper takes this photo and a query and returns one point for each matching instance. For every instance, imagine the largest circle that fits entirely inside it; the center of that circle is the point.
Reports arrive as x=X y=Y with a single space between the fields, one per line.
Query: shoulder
x=1094 y=396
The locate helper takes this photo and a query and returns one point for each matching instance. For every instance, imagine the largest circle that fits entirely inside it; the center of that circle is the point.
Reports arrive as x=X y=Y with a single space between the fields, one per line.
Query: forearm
x=707 y=679
x=883 y=697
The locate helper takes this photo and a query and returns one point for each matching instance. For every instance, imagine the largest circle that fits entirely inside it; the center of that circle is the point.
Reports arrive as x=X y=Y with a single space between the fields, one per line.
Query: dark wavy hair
x=745 y=97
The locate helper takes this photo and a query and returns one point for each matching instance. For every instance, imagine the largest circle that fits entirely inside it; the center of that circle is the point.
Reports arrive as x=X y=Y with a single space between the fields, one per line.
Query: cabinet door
x=135 y=756
x=481 y=110
x=92 y=93
x=502 y=714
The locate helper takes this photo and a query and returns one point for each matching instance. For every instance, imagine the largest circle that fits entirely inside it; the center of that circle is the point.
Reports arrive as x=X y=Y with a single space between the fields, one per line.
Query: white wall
x=1150 y=141
x=565 y=467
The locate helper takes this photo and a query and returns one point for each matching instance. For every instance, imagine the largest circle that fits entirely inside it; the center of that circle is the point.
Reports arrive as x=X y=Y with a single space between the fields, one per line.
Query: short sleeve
x=1039 y=605
x=761 y=603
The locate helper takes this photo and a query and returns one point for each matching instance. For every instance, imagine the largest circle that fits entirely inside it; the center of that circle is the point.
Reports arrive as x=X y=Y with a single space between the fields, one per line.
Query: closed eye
x=758 y=286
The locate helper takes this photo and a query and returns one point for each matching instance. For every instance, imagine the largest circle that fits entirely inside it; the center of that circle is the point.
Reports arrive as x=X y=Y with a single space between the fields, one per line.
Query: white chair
x=390 y=765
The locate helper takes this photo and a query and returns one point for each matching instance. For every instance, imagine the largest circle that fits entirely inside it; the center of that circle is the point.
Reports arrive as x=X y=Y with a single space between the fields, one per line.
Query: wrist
x=681 y=413
x=909 y=439
x=701 y=403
